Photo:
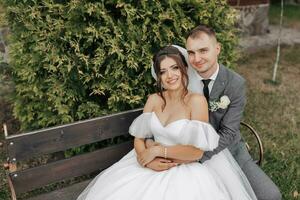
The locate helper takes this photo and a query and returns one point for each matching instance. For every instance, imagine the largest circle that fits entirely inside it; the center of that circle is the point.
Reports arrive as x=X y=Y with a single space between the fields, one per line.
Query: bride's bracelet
x=165 y=152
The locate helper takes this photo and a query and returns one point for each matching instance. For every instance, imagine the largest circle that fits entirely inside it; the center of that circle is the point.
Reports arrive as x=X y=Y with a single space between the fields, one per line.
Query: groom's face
x=203 y=51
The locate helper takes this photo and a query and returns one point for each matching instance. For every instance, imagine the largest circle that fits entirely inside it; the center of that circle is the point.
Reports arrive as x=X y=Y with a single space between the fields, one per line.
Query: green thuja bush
x=77 y=59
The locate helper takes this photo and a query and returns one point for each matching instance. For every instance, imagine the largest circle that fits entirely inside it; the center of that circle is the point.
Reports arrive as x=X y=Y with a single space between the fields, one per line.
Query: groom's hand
x=161 y=164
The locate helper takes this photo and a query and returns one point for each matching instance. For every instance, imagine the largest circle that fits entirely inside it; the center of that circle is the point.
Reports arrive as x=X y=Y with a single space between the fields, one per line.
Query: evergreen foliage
x=77 y=59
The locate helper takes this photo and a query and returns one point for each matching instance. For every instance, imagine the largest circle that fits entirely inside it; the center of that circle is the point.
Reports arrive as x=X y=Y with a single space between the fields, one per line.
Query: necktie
x=205 y=88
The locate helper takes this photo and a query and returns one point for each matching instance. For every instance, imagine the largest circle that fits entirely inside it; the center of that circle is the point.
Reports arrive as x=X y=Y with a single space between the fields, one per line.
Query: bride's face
x=170 y=74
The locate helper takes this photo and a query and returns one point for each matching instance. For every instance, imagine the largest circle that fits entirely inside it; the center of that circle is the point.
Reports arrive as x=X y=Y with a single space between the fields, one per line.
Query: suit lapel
x=219 y=84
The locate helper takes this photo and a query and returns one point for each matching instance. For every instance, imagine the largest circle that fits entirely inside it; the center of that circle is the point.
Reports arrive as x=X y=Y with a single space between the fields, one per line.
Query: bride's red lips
x=171 y=81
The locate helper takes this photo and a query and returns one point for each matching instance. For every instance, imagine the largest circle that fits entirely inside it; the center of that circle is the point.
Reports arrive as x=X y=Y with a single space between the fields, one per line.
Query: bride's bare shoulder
x=153 y=101
x=154 y=98
x=195 y=99
x=198 y=106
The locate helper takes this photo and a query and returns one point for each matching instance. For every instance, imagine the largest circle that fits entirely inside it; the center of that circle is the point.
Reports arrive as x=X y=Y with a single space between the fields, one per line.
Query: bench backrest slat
x=37 y=177
x=45 y=141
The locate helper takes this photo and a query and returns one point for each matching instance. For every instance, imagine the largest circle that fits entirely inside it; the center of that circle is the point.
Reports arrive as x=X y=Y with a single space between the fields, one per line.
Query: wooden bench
x=34 y=144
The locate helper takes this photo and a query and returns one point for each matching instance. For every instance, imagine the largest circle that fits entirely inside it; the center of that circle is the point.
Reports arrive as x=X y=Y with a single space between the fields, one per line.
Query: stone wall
x=253 y=16
x=6 y=84
x=4 y=44
x=3 y=35
x=247 y=2
x=253 y=19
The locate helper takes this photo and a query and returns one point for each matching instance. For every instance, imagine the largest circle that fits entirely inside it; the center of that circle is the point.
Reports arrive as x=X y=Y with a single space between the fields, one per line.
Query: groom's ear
x=218 y=47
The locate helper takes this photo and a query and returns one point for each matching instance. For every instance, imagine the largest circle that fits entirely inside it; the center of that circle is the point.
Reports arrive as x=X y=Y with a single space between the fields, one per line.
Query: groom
x=218 y=83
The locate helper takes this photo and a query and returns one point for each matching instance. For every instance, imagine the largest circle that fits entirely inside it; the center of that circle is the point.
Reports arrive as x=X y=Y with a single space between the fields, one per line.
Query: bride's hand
x=182 y=161
x=148 y=155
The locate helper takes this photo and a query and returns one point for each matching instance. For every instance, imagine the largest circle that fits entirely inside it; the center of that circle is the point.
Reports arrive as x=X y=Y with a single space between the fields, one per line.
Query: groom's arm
x=229 y=127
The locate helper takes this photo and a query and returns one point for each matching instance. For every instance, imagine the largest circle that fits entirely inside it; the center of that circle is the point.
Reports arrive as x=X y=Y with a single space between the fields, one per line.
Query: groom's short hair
x=194 y=33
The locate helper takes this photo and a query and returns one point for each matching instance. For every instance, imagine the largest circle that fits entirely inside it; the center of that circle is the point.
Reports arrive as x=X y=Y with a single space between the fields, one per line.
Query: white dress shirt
x=195 y=80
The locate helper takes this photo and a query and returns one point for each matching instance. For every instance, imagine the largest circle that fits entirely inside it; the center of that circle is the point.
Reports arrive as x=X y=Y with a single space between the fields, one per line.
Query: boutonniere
x=222 y=103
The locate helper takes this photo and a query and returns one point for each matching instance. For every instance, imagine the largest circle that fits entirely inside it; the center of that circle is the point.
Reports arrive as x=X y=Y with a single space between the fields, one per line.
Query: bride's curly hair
x=176 y=55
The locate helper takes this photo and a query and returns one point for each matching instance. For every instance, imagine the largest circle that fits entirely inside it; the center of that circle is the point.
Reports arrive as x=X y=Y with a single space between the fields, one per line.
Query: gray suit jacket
x=227 y=121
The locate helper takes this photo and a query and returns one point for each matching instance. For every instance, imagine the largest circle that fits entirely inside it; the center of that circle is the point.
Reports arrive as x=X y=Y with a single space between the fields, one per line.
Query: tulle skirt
x=217 y=179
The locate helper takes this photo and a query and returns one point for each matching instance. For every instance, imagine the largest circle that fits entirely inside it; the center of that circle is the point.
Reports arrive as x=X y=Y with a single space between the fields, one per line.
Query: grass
x=274 y=110
x=291 y=15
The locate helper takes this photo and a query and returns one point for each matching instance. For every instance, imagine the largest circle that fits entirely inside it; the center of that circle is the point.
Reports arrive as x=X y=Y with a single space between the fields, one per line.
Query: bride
x=178 y=121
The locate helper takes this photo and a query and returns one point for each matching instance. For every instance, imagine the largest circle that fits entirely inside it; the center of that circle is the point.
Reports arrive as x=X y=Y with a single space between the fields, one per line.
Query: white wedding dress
x=219 y=178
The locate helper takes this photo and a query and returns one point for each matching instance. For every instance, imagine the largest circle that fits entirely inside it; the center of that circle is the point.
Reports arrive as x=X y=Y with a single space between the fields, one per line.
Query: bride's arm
x=150 y=143
x=176 y=151
x=139 y=143
x=180 y=152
